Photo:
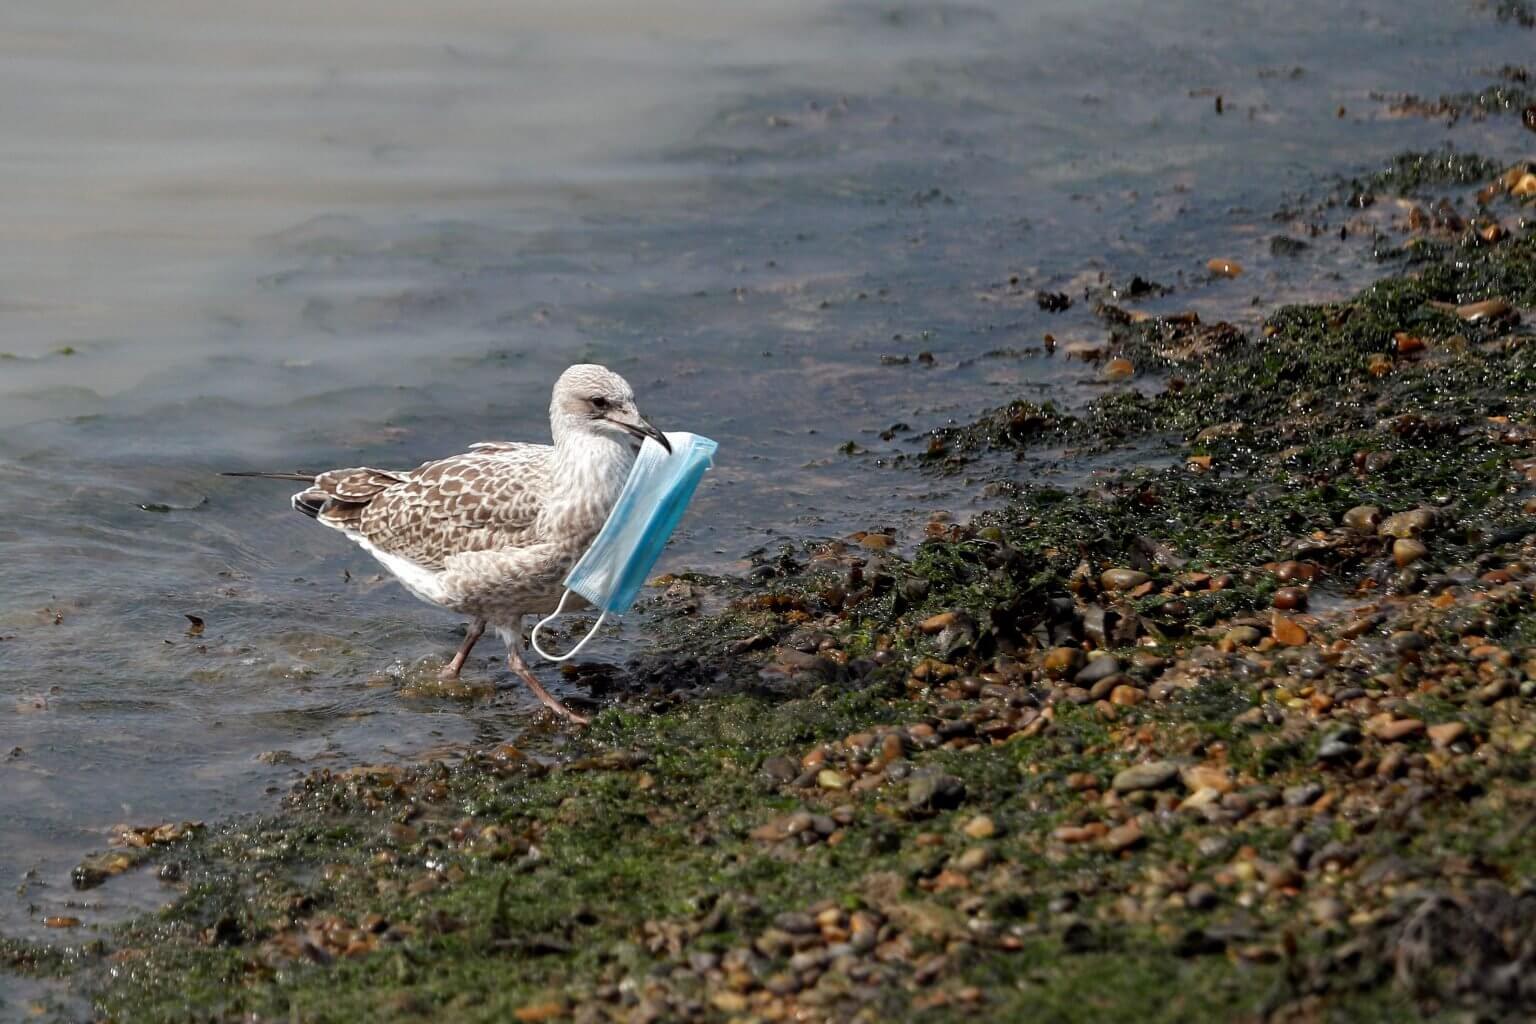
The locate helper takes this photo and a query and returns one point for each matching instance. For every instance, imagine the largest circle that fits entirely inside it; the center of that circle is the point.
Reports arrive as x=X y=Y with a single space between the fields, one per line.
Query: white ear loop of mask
x=533 y=637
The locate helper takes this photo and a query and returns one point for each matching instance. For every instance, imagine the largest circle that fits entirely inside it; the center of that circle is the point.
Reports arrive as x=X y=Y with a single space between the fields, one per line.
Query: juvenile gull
x=491 y=533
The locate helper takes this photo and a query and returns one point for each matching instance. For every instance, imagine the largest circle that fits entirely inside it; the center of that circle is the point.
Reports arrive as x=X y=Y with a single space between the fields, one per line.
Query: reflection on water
x=294 y=235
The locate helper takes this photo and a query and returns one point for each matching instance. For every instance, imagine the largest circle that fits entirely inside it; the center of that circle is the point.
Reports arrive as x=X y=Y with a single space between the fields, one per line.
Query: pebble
x=1123 y=837
x=1363 y=517
x=1081 y=833
x=1488 y=309
x=1201 y=897
x=1126 y=695
x=938 y=623
x=781 y=769
x=1214 y=847
x=1287 y=631
x=1097 y=668
x=1242 y=636
x=1291 y=571
x=1446 y=733
x=1200 y=776
x=1302 y=795
x=796 y=923
x=1119 y=369
x=1062 y=661
x=1335 y=750
x=1123 y=579
x=1406 y=551
x=931 y=790
x=1150 y=775
x=973 y=859
x=1400 y=729
x=1104 y=687
x=1404 y=525
x=829 y=778
x=1290 y=599
x=980 y=827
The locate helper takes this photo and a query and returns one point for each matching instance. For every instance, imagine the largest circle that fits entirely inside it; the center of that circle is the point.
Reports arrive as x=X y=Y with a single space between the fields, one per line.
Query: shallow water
x=266 y=237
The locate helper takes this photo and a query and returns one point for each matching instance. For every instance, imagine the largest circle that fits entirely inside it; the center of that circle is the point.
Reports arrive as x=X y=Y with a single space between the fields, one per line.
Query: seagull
x=492 y=532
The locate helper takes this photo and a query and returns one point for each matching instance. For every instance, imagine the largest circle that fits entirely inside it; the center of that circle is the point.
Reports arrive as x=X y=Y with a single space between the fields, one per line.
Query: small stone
x=1062 y=661
x=973 y=859
x=1363 y=517
x=938 y=623
x=1400 y=729
x=1126 y=695
x=1201 y=776
x=1200 y=897
x=1081 y=833
x=1406 y=551
x=727 y=1001
x=1488 y=309
x=1287 y=630
x=1123 y=837
x=1104 y=687
x=1405 y=525
x=1496 y=691
x=1214 y=847
x=796 y=922
x=1123 y=579
x=780 y=769
x=1302 y=795
x=1335 y=750
x=1150 y=775
x=980 y=827
x=1446 y=733
x=1119 y=369
x=1241 y=636
x=829 y=778
x=1101 y=667
x=932 y=790
x=1291 y=599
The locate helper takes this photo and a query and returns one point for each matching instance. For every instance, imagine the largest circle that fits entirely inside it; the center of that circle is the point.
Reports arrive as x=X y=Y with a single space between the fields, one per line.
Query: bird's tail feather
x=303 y=478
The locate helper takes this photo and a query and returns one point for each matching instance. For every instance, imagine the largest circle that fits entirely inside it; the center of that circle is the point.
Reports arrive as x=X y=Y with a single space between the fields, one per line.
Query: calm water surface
x=295 y=235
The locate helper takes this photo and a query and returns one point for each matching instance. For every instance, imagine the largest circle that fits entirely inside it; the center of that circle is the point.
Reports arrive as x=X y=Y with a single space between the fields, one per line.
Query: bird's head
x=593 y=400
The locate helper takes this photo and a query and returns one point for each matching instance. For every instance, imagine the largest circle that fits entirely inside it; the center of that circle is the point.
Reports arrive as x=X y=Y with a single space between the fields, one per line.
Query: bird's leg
x=520 y=668
x=451 y=670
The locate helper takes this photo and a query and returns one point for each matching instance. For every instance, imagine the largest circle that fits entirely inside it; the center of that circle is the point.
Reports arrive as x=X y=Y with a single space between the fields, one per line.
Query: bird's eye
x=599 y=402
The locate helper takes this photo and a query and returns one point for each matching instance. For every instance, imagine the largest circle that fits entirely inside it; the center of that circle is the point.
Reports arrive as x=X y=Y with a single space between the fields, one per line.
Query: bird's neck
x=587 y=475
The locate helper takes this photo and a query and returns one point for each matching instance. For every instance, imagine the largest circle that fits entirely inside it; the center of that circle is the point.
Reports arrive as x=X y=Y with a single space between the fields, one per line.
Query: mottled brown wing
x=477 y=501
x=355 y=485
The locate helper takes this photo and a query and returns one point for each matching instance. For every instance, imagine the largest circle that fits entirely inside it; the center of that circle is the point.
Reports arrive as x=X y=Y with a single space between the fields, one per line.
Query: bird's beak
x=643 y=429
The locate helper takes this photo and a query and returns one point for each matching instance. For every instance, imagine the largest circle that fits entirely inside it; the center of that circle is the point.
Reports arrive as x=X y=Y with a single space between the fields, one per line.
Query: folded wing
x=484 y=499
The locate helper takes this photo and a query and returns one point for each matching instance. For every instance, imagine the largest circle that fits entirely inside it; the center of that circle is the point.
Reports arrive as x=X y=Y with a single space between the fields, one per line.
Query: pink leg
x=516 y=664
x=451 y=670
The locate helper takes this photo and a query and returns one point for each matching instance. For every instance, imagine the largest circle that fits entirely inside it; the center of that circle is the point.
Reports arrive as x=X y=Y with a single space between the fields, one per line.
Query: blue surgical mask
x=648 y=509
